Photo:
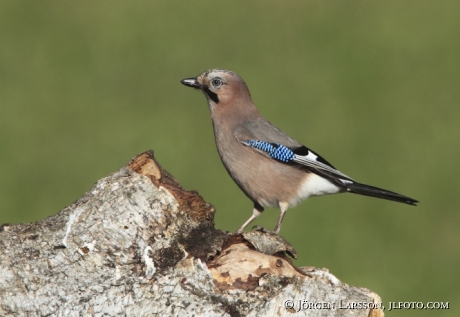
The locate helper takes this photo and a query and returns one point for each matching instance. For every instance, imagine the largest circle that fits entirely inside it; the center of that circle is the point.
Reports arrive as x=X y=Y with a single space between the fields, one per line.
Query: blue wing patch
x=274 y=150
x=286 y=155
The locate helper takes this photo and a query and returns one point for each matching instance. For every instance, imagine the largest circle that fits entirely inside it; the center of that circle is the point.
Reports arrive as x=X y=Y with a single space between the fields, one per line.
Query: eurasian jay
x=270 y=167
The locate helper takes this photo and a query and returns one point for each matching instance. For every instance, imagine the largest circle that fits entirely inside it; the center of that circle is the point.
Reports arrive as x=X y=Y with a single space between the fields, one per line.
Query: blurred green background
x=373 y=86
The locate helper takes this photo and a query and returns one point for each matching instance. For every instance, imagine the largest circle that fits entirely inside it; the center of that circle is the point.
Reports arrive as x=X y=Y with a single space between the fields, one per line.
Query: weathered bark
x=137 y=244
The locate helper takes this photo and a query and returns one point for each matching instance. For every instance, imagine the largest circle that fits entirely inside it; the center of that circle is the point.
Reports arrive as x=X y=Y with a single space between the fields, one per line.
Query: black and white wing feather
x=267 y=139
x=308 y=159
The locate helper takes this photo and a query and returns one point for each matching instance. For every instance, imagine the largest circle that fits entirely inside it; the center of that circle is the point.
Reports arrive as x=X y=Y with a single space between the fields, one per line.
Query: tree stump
x=138 y=244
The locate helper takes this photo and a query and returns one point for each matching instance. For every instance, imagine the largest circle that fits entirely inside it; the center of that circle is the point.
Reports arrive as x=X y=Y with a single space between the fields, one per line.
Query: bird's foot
x=263 y=230
x=268 y=242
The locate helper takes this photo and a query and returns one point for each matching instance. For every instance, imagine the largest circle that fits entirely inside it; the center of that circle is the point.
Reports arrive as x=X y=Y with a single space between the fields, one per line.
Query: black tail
x=372 y=191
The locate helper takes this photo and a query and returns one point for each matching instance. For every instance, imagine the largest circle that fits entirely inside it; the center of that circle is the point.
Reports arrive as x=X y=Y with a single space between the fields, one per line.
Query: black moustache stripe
x=211 y=95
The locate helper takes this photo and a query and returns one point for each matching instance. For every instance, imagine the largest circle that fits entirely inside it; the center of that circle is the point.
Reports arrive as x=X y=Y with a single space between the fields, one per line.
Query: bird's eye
x=216 y=82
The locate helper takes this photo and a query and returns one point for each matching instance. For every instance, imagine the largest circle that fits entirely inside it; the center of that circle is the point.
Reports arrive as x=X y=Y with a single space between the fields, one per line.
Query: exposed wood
x=138 y=244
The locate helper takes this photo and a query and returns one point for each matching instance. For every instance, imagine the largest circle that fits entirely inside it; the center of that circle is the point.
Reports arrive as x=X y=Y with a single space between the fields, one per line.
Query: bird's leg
x=256 y=212
x=283 y=207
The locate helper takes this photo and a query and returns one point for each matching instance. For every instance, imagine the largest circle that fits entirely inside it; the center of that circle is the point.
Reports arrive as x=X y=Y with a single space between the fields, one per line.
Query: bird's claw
x=263 y=230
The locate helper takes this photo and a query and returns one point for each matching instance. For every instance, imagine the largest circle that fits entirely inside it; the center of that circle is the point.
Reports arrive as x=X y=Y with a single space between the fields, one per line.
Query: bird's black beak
x=191 y=82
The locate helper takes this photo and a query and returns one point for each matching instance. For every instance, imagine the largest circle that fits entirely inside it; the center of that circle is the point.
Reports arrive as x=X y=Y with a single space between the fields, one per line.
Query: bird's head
x=221 y=87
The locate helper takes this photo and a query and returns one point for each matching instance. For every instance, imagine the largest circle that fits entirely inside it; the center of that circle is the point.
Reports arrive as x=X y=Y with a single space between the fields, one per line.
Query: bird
x=270 y=167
